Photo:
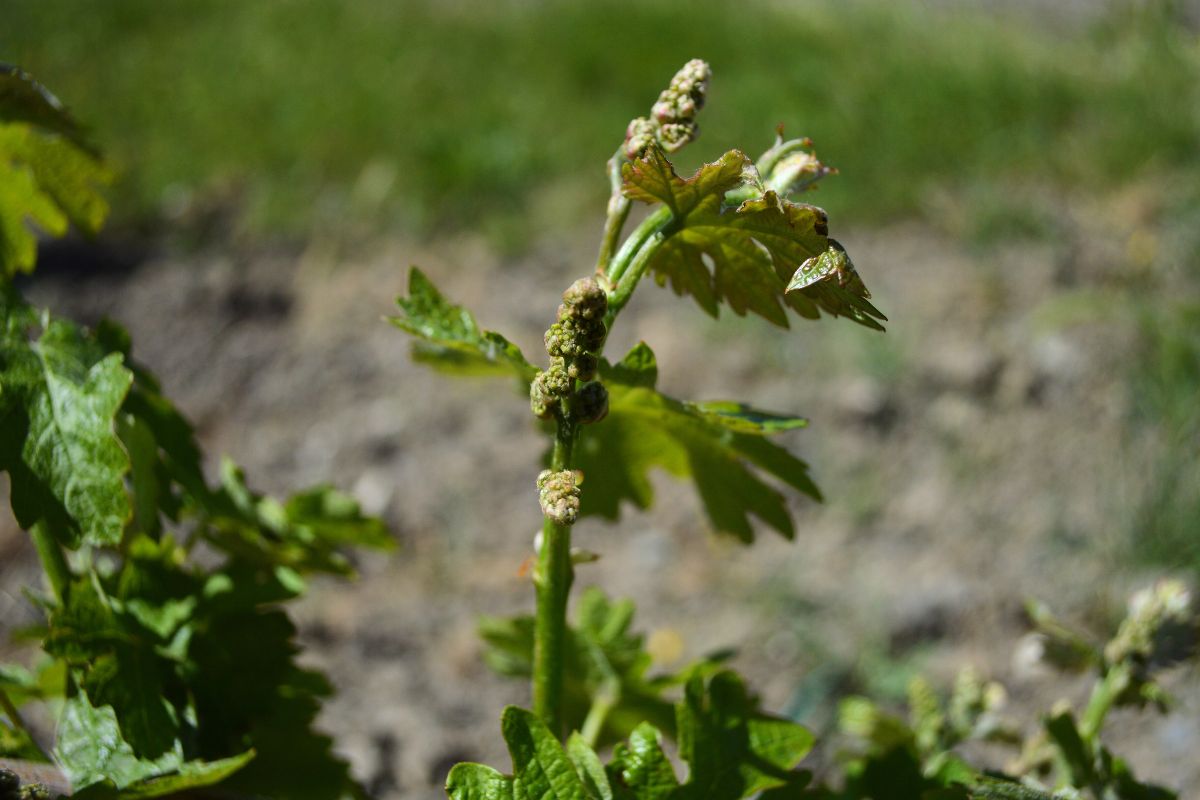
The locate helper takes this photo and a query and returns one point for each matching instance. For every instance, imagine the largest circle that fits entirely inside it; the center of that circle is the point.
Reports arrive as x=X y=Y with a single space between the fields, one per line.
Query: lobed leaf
x=48 y=180
x=745 y=255
x=449 y=337
x=303 y=534
x=605 y=661
x=478 y=782
x=59 y=397
x=733 y=749
x=642 y=767
x=541 y=768
x=717 y=445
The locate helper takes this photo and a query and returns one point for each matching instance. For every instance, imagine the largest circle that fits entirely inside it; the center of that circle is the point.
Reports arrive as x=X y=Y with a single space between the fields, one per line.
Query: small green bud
x=640 y=134
x=573 y=336
x=583 y=367
x=591 y=403
x=542 y=403
x=585 y=299
x=672 y=121
x=558 y=495
x=791 y=166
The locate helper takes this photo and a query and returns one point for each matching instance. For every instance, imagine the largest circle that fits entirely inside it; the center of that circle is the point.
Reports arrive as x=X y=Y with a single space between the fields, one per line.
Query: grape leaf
x=190 y=775
x=541 y=767
x=744 y=255
x=115 y=666
x=91 y=748
x=641 y=766
x=478 y=782
x=830 y=281
x=48 y=180
x=715 y=444
x=605 y=661
x=303 y=534
x=59 y=396
x=450 y=339
x=733 y=750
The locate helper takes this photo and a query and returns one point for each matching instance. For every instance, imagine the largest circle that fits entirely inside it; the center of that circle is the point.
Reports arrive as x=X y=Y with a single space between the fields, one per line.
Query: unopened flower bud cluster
x=558 y=495
x=572 y=343
x=672 y=120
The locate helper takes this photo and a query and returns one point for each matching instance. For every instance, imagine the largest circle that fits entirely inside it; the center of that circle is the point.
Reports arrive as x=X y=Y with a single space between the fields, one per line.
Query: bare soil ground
x=974 y=456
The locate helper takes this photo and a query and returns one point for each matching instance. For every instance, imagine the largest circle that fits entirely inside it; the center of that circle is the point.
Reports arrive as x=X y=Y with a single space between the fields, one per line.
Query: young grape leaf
x=449 y=337
x=48 y=180
x=743 y=255
x=541 y=767
x=478 y=782
x=641 y=768
x=303 y=534
x=91 y=749
x=241 y=672
x=59 y=396
x=714 y=444
x=115 y=666
x=191 y=775
x=830 y=281
x=605 y=662
x=733 y=750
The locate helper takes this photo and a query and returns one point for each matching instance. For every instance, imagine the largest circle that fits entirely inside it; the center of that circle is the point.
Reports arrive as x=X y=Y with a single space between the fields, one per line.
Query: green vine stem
x=552 y=580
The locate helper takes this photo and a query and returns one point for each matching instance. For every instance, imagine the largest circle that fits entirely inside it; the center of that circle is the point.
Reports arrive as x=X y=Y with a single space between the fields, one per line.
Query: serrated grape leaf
x=191 y=775
x=541 y=768
x=115 y=666
x=717 y=445
x=450 y=339
x=478 y=782
x=91 y=749
x=48 y=180
x=640 y=768
x=59 y=396
x=605 y=659
x=732 y=749
x=830 y=281
x=102 y=765
x=248 y=690
x=741 y=256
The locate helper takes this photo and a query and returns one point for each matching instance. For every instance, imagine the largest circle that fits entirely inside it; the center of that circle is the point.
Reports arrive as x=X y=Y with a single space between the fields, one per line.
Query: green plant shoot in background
x=165 y=672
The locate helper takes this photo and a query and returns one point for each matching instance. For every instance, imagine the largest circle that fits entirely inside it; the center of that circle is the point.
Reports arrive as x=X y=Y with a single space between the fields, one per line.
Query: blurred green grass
x=428 y=116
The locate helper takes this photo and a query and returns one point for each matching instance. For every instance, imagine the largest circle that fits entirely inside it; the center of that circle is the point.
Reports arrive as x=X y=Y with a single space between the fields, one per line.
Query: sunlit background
x=1019 y=184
